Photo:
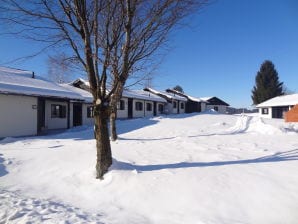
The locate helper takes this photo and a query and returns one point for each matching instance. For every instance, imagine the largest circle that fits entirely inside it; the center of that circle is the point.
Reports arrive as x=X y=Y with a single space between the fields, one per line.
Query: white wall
x=203 y=107
x=123 y=113
x=175 y=110
x=54 y=123
x=221 y=108
x=71 y=115
x=149 y=113
x=269 y=115
x=86 y=120
x=165 y=107
x=135 y=112
x=182 y=111
x=18 y=115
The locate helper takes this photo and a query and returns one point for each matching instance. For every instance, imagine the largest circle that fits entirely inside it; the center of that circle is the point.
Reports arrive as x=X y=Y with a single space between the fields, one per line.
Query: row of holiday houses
x=30 y=105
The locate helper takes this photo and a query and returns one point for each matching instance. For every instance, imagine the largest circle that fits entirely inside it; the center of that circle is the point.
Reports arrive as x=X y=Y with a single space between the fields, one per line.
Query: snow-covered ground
x=198 y=168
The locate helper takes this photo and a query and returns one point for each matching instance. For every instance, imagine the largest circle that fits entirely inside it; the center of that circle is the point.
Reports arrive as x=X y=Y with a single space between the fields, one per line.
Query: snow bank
x=200 y=168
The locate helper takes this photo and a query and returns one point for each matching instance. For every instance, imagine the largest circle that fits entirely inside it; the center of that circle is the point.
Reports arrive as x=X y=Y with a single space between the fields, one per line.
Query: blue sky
x=218 y=54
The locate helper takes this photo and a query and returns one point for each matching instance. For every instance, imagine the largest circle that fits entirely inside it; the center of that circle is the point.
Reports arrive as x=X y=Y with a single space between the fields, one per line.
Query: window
x=139 y=106
x=264 y=110
x=160 y=108
x=182 y=105
x=121 y=105
x=58 y=111
x=216 y=108
x=174 y=104
x=90 y=111
x=148 y=106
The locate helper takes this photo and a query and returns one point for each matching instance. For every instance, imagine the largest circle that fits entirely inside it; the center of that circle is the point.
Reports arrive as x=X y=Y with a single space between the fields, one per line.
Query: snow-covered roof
x=195 y=99
x=14 y=81
x=83 y=93
x=168 y=95
x=285 y=100
x=141 y=94
x=206 y=98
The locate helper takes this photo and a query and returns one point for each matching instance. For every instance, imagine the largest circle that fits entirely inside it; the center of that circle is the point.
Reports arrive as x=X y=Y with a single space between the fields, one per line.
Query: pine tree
x=178 y=88
x=267 y=84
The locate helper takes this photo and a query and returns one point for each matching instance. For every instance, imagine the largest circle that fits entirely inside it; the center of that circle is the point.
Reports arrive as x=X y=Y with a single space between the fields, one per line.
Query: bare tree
x=110 y=39
x=59 y=68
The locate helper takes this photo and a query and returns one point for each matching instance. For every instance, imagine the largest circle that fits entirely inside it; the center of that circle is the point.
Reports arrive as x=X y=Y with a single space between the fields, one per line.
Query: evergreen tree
x=267 y=84
x=179 y=89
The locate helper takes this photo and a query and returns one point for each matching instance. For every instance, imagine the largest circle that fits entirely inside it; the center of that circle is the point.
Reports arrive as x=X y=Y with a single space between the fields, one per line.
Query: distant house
x=30 y=105
x=175 y=104
x=216 y=104
x=193 y=104
x=133 y=103
x=277 y=106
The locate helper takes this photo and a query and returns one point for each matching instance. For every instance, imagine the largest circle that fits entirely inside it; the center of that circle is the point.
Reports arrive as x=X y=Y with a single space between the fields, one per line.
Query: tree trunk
x=103 y=146
x=113 y=116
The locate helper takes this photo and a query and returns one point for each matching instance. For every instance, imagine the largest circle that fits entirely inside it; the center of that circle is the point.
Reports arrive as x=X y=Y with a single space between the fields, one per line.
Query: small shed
x=292 y=114
x=278 y=106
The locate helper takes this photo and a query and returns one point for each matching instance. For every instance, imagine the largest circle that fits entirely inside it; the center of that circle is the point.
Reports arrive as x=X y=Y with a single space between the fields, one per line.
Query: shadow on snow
x=277 y=157
x=3 y=170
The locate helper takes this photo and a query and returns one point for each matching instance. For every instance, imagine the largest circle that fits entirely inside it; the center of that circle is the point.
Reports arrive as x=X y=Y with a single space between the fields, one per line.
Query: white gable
x=285 y=100
x=13 y=81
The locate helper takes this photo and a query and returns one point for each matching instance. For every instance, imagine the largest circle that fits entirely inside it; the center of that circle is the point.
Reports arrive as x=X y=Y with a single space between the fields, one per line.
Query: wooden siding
x=292 y=115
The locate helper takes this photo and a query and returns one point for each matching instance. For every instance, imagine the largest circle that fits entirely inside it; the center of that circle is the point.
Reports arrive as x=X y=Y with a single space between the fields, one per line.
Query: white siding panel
x=18 y=115
x=55 y=123
x=123 y=113
x=269 y=115
x=137 y=113
x=149 y=113
x=86 y=120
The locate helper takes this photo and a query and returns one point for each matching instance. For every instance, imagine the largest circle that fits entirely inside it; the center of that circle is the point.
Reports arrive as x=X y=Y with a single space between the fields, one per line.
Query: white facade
x=265 y=112
x=138 y=113
x=158 y=105
x=182 y=106
x=85 y=119
x=18 y=115
x=219 y=108
x=52 y=122
x=203 y=106
x=122 y=112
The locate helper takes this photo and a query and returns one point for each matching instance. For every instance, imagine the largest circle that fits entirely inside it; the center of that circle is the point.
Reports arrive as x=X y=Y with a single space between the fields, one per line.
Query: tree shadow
x=290 y=155
x=3 y=170
x=125 y=126
x=146 y=139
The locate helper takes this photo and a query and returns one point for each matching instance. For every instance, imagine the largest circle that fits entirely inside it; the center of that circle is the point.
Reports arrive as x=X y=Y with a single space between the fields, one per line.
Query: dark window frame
x=182 y=106
x=174 y=104
x=160 y=108
x=148 y=106
x=58 y=111
x=121 y=105
x=139 y=106
x=265 y=110
x=90 y=112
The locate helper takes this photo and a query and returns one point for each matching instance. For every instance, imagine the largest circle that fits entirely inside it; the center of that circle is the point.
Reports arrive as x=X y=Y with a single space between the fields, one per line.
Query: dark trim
x=129 y=108
x=41 y=96
x=216 y=101
x=68 y=114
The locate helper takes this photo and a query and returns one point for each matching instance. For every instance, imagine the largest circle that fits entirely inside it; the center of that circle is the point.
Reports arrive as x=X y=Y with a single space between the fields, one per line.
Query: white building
x=277 y=106
x=214 y=103
x=31 y=105
x=175 y=104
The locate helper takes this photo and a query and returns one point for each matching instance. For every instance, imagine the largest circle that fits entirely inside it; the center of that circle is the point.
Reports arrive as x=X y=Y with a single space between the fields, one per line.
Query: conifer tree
x=267 y=84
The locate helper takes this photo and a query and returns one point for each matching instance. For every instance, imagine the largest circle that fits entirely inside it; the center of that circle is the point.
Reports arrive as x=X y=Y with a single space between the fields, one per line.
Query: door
x=40 y=115
x=77 y=114
x=130 y=109
x=154 y=108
